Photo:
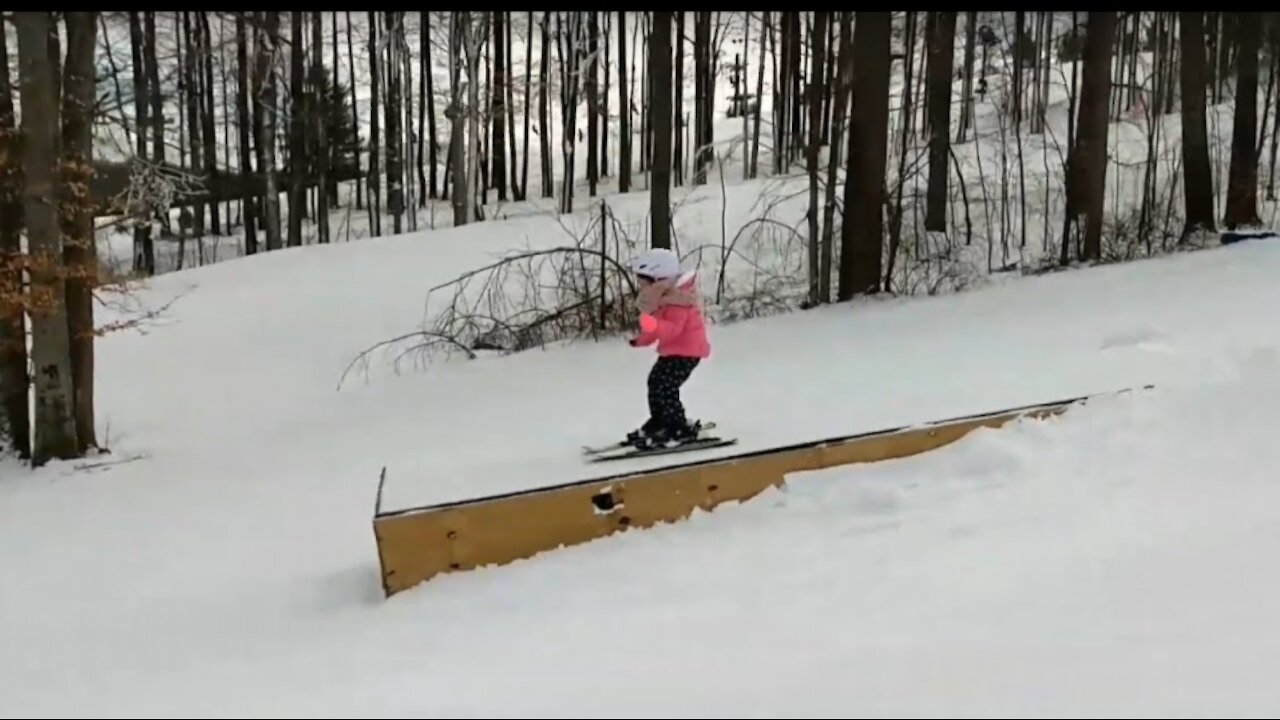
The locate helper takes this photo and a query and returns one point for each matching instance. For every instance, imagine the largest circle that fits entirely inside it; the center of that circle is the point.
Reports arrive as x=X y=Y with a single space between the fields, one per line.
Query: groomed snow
x=836 y=371
x=1115 y=561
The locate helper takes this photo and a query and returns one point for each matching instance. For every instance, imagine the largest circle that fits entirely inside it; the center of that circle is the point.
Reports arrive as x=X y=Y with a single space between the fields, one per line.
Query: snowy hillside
x=221 y=560
x=1113 y=561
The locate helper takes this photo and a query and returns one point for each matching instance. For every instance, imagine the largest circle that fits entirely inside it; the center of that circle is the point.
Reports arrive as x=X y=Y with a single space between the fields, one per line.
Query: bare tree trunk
x=207 y=125
x=424 y=77
x=783 y=141
x=268 y=109
x=55 y=428
x=191 y=99
x=818 y=40
x=704 y=105
x=1071 y=203
x=446 y=187
x=375 y=149
x=528 y=104
x=755 y=121
x=660 y=120
x=1159 y=60
x=15 y=420
x=355 y=113
x=79 y=249
x=646 y=127
x=511 y=111
x=1196 y=175
x=242 y=117
x=966 y=88
x=678 y=153
x=497 y=146
x=297 y=118
x=1275 y=122
x=903 y=140
x=144 y=259
x=454 y=178
x=155 y=94
x=1046 y=72
x=320 y=121
x=1172 y=41
x=411 y=188
x=624 y=109
x=863 y=230
x=393 y=20
x=472 y=39
x=456 y=168
x=544 y=111
x=186 y=214
x=941 y=48
x=226 y=113
x=1228 y=34
x=335 y=149
x=1267 y=33
x=1134 y=45
x=593 y=101
x=604 y=96
x=1019 y=28
x=912 y=93
x=839 y=125
x=1242 y=178
x=570 y=42
x=486 y=112
x=1213 y=39
x=432 y=137
x=115 y=79
x=796 y=106
x=1087 y=160
x=780 y=57
x=156 y=118
x=830 y=72
x=1037 y=73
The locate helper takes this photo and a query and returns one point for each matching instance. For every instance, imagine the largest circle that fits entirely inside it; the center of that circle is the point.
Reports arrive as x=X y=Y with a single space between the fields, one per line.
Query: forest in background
x=900 y=150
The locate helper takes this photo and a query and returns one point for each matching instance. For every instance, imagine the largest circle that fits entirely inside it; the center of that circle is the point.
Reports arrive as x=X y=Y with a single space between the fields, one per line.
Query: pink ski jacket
x=671 y=316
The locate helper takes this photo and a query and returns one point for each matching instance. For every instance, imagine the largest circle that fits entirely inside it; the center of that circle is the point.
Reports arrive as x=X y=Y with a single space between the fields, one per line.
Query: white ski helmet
x=657 y=263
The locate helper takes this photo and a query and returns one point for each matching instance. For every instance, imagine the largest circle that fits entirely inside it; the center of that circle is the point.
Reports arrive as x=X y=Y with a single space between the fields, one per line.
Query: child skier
x=671 y=316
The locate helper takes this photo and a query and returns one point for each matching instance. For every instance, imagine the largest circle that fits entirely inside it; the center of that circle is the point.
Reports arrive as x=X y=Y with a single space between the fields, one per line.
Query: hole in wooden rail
x=605 y=501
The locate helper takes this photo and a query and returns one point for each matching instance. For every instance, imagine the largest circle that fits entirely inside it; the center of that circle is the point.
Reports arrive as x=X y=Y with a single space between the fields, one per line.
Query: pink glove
x=648 y=323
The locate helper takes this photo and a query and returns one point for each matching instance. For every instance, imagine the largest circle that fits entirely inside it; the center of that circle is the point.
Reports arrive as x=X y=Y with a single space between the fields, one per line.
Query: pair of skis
x=623 y=450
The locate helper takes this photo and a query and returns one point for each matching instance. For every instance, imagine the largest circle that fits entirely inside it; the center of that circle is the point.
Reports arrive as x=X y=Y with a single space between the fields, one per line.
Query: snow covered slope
x=836 y=371
x=1114 y=560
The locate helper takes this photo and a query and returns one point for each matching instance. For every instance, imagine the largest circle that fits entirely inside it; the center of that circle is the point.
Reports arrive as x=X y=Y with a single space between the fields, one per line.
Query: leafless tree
x=1242 y=181
x=15 y=421
x=660 y=120
x=54 y=421
x=80 y=250
x=862 y=234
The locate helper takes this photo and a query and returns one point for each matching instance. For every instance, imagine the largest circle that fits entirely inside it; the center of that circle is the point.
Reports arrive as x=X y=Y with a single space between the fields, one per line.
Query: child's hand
x=648 y=323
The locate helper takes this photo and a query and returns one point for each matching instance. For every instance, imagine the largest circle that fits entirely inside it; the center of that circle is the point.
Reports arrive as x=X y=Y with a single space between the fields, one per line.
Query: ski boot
x=662 y=438
x=638 y=438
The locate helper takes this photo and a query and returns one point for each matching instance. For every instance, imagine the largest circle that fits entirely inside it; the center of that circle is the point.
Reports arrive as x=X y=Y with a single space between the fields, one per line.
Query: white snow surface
x=1115 y=561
